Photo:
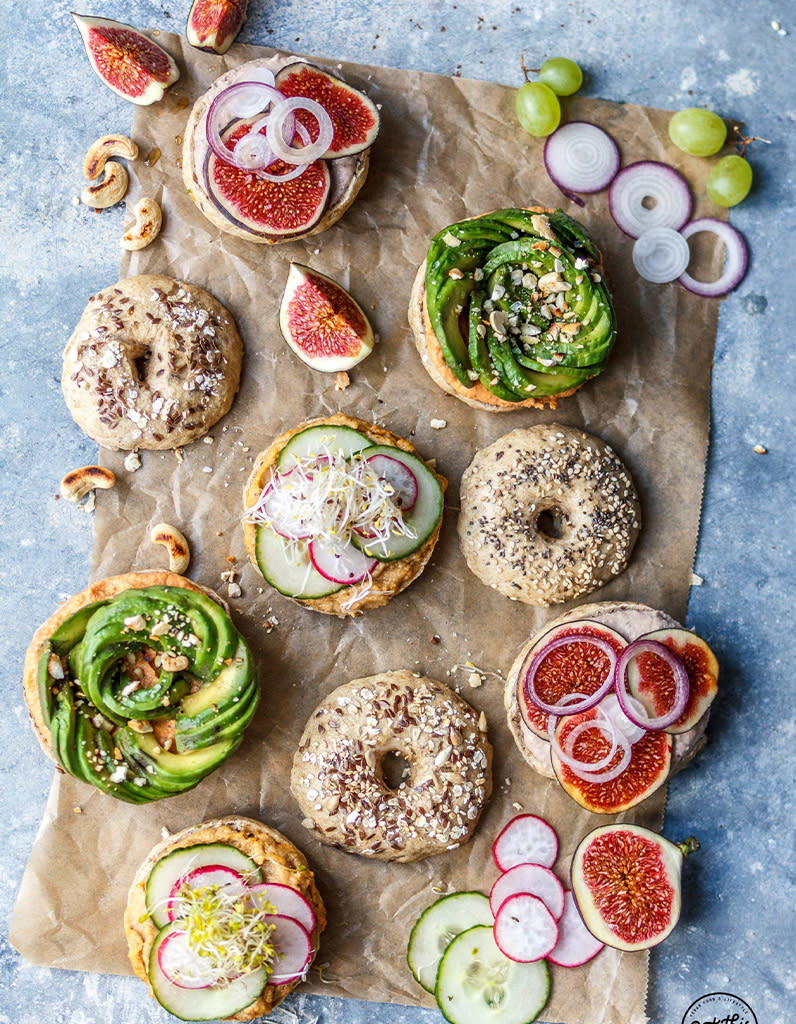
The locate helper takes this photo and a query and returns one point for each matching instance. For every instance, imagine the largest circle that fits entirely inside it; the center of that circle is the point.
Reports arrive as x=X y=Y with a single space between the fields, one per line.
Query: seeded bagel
x=548 y=514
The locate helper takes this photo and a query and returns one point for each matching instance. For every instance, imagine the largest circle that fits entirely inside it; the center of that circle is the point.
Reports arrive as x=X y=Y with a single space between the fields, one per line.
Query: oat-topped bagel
x=338 y=776
x=341 y=514
x=563 y=660
x=248 y=863
x=548 y=513
x=153 y=363
x=510 y=310
x=256 y=204
x=140 y=685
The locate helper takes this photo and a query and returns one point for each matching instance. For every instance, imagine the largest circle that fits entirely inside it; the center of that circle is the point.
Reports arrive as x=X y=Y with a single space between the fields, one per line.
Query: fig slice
x=650 y=681
x=270 y=209
x=324 y=325
x=354 y=115
x=647 y=770
x=212 y=25
x=127 y=62
x=626 y=881
x=578 y=668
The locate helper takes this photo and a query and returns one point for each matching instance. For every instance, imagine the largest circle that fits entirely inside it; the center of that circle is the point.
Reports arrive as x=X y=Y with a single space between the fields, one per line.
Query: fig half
x=650 y=681
x=127 y=62
x=626 y=881
x=324 y=325
x=213 y=24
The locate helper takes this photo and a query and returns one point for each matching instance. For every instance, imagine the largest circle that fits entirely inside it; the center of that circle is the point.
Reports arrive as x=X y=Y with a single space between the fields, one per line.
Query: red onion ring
x=280 y=140
x=642 y=646
x=647 y=180
x=587 y=701
x=242 y=100
x=580 y=157
x=661 y=255
x=735 y=264
x=586 y=770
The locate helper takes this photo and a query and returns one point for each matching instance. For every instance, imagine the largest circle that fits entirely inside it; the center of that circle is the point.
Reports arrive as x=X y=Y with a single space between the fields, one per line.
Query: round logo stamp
x=719 y=1008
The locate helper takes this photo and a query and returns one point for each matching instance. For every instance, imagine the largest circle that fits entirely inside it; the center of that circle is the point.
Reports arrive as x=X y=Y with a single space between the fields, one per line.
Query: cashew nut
x=148 y=219
x=103 y=149
x=110 y=190
x=175 y=543
x=80 y=482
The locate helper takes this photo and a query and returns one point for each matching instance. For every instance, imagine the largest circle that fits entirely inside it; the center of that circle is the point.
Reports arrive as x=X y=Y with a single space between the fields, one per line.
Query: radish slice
x=580 y=157
x=206 y=875
x=736 y=258
x=571 y=703
x=293 y=949
x=399 y=476
x=525 y=930
x=288 y=902
x=340 y=563
x=181 y=965
x=576 y=945
x=282 y=508
x=649 y=195
x=526 y=839
x=661 y=255
x=278 y=136
x=636 y=711
x=532 y=879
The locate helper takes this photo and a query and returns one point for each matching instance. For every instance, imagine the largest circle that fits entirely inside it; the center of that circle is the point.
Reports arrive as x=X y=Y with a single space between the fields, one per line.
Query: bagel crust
x=338 y=770
x=548 y=514
x=280 y=863
x=153 y=363
x=388 y=578
x=631 y=620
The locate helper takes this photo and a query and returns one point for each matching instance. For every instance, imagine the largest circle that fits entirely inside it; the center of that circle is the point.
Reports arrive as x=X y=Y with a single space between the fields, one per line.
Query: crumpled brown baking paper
x=448 y=148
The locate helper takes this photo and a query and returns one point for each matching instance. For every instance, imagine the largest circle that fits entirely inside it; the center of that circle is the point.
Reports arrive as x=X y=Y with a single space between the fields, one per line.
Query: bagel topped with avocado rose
x=510 y=309
x=611 y=699
x=140 y=685
x=341 y=514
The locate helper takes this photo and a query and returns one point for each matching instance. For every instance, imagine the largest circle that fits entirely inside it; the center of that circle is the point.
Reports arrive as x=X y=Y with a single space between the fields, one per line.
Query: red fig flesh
x=354 y=115
x=322 y=323
x=626 y=881
x=213 y=24
x=127 y=62
x=650 y=680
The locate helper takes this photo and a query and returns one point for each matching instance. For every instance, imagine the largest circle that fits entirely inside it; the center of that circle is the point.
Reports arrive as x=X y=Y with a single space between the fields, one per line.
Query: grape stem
x=745 y=141
x=527 y=71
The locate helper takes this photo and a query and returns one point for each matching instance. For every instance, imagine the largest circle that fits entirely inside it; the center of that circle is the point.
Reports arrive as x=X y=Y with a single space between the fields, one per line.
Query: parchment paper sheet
x=448 y=148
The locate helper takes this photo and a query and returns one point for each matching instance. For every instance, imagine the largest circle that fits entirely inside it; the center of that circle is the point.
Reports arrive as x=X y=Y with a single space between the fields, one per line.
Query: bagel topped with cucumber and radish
x=611 y=699
x=341 y=514
x=223 y=920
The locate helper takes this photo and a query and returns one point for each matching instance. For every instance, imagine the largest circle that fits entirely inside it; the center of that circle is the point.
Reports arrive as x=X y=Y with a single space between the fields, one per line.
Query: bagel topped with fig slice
x=277 y=149
x=611 y=699
x=510 y=310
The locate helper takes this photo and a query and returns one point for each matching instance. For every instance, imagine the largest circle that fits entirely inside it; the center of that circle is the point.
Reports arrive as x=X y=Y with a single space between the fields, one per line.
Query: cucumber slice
x=436 y=928
x=476 y=982
x=171 y=868
x=313 y=440
x=422 y=518
x=210 y=1003
x=293 y=575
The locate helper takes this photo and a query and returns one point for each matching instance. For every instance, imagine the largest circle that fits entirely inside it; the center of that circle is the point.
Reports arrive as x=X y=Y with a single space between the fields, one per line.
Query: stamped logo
x=719 y=1008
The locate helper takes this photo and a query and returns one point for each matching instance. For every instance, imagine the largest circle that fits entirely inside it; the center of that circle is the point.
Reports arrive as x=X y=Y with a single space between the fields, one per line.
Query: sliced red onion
x=580 y=157
x=635 y=710
x=280 y=140
x=649 y=195
x=590 y=771
x=340 y=563
x=611 y=707
x=242 y=100
x=661 y=255
x=736 y=258
x=295 y=169
x=566 y=706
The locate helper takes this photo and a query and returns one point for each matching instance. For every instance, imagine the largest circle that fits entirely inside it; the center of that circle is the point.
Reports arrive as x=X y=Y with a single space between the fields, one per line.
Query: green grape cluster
x=701 y=132
x=537 y=104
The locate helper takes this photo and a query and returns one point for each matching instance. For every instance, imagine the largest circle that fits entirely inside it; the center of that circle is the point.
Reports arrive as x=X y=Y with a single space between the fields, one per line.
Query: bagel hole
x=550 y=522
x=394 y=769
x=141 y=364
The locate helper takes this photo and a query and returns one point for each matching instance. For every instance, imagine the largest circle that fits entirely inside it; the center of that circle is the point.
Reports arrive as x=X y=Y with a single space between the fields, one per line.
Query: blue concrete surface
x=738 y=926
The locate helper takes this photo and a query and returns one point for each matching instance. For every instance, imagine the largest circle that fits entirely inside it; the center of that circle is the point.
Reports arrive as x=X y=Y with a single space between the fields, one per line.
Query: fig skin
x=626 y=881
x=213 y=25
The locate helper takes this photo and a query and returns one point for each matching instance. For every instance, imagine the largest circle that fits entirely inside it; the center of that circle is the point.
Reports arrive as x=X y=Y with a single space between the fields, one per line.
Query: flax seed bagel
x=548 y=513
x=153 y=363
x=338 y=776
x=279 y=861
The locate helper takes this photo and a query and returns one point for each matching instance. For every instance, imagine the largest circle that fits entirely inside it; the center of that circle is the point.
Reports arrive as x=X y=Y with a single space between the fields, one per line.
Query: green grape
x=538 y=109
x=562 y=75
x=697 y=131
x=729 y=181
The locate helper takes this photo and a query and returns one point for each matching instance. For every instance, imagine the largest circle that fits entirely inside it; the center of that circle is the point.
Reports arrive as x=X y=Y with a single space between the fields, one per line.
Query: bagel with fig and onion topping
x=510 y=310
x=244 y=162
x=611 y=699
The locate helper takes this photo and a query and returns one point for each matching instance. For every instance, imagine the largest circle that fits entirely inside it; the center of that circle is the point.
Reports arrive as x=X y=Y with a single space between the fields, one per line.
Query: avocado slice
x=172 y=772
x=228 y=701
